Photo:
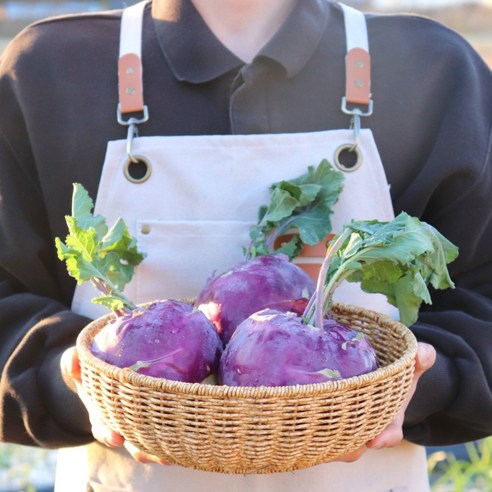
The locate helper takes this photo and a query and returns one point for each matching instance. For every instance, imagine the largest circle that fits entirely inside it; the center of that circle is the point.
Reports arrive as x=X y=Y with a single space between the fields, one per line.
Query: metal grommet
x=137 y=171
x=346 y=150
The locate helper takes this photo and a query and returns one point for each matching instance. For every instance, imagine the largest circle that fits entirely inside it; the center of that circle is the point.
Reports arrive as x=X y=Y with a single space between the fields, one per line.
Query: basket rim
x=130 y=377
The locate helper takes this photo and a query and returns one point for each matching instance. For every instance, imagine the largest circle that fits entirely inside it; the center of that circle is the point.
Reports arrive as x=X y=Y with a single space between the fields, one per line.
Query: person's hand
x=70 y=367
x=392 y=435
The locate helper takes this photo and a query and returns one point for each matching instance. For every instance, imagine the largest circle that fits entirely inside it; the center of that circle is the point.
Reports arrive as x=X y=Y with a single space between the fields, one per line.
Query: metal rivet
x=359 y=64
x=359 y=83
x=130 y=90
x=130 y=71
x=145 y=229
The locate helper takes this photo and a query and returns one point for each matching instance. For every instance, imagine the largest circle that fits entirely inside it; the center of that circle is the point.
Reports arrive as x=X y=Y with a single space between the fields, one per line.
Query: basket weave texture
x=255 y=430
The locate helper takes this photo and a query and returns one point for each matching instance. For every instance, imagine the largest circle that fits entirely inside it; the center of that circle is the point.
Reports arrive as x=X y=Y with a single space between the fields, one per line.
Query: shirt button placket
x=248 y=109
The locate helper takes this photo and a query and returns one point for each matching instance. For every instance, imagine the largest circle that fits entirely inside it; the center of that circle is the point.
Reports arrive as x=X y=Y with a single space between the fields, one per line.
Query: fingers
x=143 y=457
x=392 y=435
x=70 y=364
x=104 y=434
x=70 y=367
x=426 y=357
x=354 y=456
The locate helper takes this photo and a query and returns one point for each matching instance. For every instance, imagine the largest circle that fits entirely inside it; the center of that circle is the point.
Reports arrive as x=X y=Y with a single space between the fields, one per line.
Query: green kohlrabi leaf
x=82 y=206
x=303 y=205
x=114 y=302
x=282 y=205
x=399 y=259
x=92 y=252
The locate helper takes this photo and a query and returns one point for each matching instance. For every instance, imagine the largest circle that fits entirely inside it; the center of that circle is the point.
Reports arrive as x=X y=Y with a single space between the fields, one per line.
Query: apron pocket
x=182 y=255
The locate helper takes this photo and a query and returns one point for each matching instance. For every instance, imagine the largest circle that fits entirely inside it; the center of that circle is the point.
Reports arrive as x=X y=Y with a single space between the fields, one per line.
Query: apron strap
x=357 y=61
x=130 y=85
x=130 y=81
x=357 y=101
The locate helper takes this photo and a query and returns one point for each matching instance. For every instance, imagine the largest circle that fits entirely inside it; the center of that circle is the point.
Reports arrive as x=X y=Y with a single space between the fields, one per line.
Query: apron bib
x=191 y=206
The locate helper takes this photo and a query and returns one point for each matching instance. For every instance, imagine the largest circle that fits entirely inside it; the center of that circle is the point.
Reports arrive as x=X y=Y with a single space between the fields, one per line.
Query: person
x=236 y=95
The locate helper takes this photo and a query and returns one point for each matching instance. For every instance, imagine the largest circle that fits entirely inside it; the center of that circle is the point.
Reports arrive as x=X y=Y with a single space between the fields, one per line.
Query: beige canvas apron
x=191 y=214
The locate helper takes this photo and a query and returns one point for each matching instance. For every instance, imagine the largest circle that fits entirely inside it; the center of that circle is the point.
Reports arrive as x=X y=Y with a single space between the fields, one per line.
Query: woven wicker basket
x=255 y=430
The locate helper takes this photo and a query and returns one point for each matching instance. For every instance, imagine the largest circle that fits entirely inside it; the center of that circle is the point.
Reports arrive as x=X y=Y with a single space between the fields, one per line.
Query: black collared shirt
x=432 y=123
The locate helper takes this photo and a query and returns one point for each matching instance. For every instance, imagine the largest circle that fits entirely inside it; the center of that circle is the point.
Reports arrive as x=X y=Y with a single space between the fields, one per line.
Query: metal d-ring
x=136 y=160
x=348 y=147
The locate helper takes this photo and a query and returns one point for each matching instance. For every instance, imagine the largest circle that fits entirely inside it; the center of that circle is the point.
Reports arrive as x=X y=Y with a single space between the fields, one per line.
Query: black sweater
x=432 y=123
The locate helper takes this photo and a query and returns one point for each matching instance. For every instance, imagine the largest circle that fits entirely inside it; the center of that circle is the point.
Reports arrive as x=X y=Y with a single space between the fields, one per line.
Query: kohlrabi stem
x=343 y=273
x=324 y=302
x=270 y=240
x=106 y=287
x=316 y=304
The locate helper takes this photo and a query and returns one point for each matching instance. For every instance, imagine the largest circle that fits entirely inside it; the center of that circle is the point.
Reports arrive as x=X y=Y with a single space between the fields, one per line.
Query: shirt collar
x=196 y=55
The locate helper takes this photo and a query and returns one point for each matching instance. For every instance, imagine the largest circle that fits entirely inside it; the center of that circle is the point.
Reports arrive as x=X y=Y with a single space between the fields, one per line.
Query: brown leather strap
x=130 y=83
x=358 y=76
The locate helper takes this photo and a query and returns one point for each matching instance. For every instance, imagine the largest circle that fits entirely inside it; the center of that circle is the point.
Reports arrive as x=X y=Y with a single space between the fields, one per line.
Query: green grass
x=23 y=467
x=474 y=474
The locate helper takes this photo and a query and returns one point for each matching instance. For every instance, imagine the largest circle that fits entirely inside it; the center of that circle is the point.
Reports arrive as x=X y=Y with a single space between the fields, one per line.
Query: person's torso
x=191 y=210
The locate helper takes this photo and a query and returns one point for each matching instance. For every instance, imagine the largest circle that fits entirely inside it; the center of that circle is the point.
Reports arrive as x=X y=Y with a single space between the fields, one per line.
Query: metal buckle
x=355 y=122
x=357 y=109
x=132 y=133
x=129 y=121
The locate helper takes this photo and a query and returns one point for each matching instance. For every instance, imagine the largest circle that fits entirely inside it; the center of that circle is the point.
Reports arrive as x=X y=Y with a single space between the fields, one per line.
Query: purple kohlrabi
x=250 y=286
x=273 y=348
x=169 y=339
